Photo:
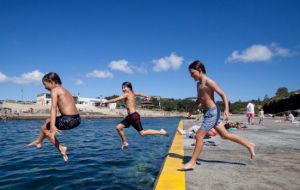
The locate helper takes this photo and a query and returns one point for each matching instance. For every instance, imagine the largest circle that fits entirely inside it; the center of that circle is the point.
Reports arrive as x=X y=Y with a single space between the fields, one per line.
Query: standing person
x=69 y=118
x=133 y=118
x=206 y=88
x=261 y=116
x=250 y=113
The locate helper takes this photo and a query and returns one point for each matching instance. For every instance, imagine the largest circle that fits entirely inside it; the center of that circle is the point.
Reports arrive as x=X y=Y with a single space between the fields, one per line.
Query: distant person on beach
x=69 y=118
x=261 y=115
x=233 y=124
x=289 y=116
x=206 y=88
x=250 y=113
x=133 y=117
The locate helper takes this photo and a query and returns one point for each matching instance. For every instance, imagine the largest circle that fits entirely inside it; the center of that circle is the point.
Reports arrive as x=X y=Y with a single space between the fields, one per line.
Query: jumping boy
x=133 y=117
x=206 y=88
x=69 y=118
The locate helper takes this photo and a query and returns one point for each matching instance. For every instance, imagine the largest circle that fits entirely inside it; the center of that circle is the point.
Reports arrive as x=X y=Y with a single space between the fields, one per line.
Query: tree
x=266 y=98
x=168 y=104
x=155 y=102
x=282 y=92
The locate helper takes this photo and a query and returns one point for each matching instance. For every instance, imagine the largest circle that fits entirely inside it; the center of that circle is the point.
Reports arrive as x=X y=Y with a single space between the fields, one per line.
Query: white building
x=89 y=101
x=112 y=106
x=43 y=99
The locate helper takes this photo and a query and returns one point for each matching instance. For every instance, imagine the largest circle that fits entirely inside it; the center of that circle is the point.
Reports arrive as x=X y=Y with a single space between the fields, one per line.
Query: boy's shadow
x=185 y=159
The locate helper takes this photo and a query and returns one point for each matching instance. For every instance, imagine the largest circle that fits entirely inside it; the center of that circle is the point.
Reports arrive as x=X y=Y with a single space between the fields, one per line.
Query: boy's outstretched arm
x=140 y=94
x=148 y=98
x=115 y=99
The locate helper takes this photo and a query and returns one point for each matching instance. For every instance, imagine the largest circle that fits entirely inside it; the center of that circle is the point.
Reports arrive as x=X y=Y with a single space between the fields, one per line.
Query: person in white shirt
x=250 y=113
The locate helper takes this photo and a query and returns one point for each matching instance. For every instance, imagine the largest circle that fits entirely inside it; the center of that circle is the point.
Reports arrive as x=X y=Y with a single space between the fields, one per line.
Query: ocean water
x=95 y=158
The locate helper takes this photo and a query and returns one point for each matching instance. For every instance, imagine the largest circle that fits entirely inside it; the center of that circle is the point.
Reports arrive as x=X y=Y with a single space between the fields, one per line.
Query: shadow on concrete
x=221 y=162
x=187 y=158
x=174 y=155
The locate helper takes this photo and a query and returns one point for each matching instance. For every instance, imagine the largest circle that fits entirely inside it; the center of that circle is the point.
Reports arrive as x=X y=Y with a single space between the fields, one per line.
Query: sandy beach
x=226 y=165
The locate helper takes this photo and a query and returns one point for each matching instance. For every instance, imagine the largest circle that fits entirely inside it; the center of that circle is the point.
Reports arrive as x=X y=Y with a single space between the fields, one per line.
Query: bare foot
x=180 y=131
x=63 y=152
x=165 y=133
x=35 y=143
x=124 y=145
x=188 y=166
x=251 y=150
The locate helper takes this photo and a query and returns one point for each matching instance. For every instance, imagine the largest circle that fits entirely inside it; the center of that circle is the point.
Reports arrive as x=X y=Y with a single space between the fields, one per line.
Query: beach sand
x=228 y=166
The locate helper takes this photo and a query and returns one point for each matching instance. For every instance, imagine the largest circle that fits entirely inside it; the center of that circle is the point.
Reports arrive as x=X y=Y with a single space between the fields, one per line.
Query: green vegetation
x=282 y=101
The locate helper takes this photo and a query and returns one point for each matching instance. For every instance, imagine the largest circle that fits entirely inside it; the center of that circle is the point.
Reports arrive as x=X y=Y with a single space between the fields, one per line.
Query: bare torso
x=65 y=102
x=130 y=102
x=206 y=94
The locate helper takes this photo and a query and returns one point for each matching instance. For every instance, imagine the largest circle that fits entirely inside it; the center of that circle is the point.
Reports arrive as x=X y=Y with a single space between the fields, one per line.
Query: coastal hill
x=280 y=104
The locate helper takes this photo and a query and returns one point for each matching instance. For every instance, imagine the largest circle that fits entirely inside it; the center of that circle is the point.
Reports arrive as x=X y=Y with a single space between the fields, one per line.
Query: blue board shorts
x=211 y=118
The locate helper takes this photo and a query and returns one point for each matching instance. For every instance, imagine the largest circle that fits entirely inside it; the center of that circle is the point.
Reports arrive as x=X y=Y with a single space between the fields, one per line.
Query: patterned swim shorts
x=211 y=118
x=65 y=122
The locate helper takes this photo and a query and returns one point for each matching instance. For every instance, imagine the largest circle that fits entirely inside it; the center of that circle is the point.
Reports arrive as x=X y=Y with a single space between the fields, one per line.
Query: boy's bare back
x=65 y=101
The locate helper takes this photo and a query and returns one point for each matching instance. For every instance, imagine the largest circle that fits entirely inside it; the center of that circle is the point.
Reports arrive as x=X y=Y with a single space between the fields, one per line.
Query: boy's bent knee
x=118 y=127
x=44 y=128
x=142 y=133
x=224 y=136
x=199 y=136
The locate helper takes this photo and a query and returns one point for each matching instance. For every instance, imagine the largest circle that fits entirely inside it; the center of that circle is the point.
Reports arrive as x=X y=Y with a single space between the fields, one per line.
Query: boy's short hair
x=127 y=84
x=52 y=77
x=198 y=65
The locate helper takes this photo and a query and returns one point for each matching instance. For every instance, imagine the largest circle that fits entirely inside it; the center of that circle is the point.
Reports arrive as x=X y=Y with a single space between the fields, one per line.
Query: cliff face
x=292 y=102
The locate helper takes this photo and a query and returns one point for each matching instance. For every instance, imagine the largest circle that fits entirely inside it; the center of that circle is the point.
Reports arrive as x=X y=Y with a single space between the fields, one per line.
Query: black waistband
x=77 y=115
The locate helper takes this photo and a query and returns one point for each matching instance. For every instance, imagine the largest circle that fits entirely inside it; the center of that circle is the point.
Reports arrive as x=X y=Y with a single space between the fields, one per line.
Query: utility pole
x=22 y=94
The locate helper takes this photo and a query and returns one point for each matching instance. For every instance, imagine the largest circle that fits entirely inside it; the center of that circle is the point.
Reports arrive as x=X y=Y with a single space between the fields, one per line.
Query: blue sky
x=250 y=48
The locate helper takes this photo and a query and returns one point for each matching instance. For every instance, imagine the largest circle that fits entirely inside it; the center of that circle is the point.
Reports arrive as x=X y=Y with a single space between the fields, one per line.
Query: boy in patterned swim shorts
x=69 y=119
x=206 y=88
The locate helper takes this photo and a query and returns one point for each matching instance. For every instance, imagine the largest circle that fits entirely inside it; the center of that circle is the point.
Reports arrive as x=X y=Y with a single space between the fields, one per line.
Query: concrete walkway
x=226 y=165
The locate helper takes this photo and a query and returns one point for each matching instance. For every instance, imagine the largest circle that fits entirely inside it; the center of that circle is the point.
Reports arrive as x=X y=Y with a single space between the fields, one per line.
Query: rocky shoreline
x=83 y=116
x=20 y=111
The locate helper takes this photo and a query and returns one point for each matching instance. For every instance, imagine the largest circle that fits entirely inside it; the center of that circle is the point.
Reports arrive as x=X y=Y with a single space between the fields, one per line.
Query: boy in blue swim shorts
x=206 y=88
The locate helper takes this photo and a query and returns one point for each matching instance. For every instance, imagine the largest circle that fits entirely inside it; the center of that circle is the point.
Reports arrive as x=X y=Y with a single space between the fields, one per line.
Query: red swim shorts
x=250 y=115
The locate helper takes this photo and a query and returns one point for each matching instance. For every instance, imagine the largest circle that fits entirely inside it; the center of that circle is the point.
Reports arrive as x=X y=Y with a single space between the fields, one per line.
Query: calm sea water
x=95 y=158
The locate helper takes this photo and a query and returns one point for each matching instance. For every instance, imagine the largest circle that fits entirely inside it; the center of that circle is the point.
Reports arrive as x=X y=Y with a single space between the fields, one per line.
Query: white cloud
x=280 y=51
x=99 y=74
x=28 y=78
x=78 y=82
x=164 y=64
x=121 y=65
x=3 y=77
x=141 y=69
x=258 y=52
